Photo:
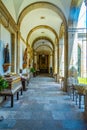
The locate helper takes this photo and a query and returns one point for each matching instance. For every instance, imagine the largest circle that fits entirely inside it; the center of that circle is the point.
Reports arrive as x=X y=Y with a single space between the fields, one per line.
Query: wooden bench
x=15 y=86
x=79 y=90
x=11 y=93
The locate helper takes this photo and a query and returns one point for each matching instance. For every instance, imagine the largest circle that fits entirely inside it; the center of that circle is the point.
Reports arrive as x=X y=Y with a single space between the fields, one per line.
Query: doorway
x=43 y=63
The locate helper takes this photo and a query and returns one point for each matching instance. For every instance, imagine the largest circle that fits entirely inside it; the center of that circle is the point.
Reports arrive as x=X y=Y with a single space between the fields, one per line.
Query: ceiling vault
x=41 y=38
x=42 y=26
x=41 y=5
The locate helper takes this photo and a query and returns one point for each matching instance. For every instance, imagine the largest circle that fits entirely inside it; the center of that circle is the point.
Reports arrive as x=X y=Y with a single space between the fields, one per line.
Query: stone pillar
x=57 y=78
x=55 y=59
x=13 y=53
x=18 y=53
x=60 y=55
x=51 y=63
x=65 y=59
x=35 y=60
x=85 y=102
x=86 y=35
x=58 y=59
x=83 y=60
x=51 y=60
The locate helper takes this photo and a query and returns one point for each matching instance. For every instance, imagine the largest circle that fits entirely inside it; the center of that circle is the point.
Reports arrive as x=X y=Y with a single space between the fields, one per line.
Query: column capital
x=85 y=1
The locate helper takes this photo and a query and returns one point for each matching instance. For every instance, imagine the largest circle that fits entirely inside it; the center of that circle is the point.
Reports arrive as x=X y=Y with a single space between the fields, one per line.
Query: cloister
x=48 y=37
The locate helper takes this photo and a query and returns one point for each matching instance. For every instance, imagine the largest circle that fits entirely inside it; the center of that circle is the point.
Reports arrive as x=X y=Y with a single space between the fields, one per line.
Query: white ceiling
x=32 y=25
x=33 y=19
x=44 y=50
x=43 y=43
x=16 y=6
x=43 y=32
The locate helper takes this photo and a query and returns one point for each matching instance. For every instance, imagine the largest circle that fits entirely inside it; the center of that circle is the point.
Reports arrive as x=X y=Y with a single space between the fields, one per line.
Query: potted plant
x=3 y=83
x=32 y=70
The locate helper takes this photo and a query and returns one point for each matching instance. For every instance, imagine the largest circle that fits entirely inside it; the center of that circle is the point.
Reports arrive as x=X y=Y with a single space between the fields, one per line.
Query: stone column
x=60 y=54
x=57 y=63
x=58 y=58
x=51 y=60
x=85 y=102
x=83 y=60
x=35 y=59
x=18 y=53
x=13 y=53
x=55 y=59
x=65 y=59
x=86 y=35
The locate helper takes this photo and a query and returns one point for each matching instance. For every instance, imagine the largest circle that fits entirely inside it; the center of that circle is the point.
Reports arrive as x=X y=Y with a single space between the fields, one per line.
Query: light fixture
x=42 y=17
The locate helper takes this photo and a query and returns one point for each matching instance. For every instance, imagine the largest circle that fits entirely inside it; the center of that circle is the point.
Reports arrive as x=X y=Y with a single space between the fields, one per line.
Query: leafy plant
x=32 y=70
x=3 y=83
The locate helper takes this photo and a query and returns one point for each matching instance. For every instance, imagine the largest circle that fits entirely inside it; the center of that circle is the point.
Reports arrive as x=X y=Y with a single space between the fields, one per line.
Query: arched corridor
x=43 y=43
x=43 y=107
x=44 y=35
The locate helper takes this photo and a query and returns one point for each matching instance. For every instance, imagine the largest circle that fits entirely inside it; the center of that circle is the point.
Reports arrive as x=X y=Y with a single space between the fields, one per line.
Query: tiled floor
x=42 y=107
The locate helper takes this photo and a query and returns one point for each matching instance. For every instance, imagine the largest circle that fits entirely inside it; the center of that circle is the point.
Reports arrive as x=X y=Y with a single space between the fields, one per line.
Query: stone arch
x=42 y=37
x=42 y=26
x=43 y=5
x=45 y=45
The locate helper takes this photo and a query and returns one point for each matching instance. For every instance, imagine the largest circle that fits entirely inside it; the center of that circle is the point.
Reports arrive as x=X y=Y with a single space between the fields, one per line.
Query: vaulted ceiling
x=42 y=18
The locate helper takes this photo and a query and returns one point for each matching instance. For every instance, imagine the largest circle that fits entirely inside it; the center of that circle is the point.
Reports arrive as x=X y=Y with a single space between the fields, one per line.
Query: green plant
x=3 y=83
x=32 y=70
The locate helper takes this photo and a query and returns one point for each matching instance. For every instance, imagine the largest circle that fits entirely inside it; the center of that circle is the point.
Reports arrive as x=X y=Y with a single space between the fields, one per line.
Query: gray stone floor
x=42 y=107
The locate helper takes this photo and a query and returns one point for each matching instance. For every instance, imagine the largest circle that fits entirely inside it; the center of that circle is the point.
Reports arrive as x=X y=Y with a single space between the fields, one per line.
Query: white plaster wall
x=5 y=38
